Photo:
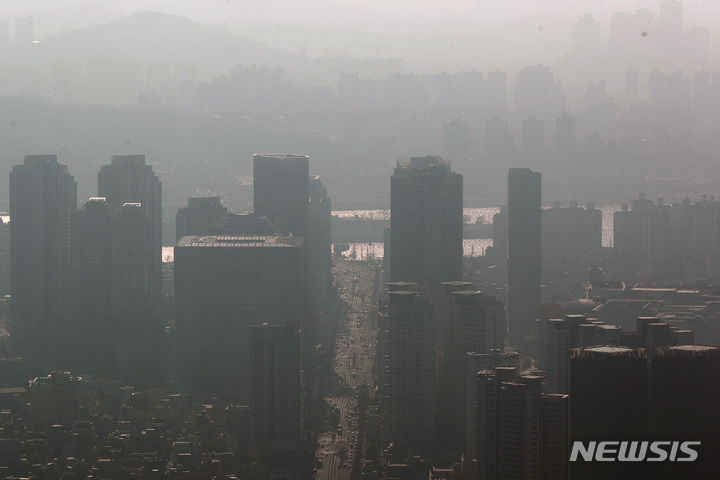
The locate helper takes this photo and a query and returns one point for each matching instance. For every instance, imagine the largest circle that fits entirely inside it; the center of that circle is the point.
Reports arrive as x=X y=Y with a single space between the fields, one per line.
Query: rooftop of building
x=279 y=156
x=607 y=327
x=128 y=160
x=608 y=351
x=429 y=164
x=692 y=349
x=254 y=241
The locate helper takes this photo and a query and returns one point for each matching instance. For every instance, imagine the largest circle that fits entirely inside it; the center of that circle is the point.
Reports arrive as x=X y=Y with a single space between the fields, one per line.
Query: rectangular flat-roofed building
x=224 y=284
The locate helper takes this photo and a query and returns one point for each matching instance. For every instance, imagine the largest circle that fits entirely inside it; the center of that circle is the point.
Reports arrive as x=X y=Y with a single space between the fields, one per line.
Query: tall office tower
x=319 y=243
x=129 y=180
x=524 y=240
x=685 y=391
x=411 y=370
x=24 y=33
x=426 y=217
x=473 y=323
x=281 y=191
x=224 y=284
x=195 y=217
x=275 y=394
x=42 y=196
x=608 y=402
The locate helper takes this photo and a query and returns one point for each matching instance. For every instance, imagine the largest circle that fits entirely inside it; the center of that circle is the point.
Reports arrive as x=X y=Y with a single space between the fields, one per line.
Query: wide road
x=353 y=366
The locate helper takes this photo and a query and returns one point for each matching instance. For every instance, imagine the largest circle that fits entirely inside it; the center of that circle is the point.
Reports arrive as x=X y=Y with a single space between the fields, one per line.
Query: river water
x=471 y=247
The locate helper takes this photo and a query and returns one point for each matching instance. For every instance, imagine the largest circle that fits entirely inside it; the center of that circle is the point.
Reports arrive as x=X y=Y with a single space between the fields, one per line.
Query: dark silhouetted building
x=319 y=244
x=224 y=284
x=411 y=370
x=111 y=254
x=608 y=402
x=42 y=196
x=524 y=236
x=129 y=180
x=520 y=431
x=275 y=394
x=280 y=191
x=474 y=322
x=426 y=223
x=685 y=392
x=194 y=218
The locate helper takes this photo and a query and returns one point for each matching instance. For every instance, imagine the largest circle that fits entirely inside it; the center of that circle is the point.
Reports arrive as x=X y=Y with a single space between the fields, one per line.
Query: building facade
x=43 y=194
x=524 y=250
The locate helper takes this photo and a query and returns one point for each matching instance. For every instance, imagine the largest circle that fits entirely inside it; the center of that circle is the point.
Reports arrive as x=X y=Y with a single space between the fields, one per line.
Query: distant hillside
x=151 y=36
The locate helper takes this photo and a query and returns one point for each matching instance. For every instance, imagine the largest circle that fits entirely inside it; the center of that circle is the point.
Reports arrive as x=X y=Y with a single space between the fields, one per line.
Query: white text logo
x=626 y=451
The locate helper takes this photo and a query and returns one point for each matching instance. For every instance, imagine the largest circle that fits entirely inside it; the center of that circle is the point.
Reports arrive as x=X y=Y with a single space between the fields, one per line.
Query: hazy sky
x=696 y=11
x=410 y=29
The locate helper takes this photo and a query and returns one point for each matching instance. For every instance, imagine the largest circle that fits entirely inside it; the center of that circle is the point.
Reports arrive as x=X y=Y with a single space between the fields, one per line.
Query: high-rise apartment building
x=475 y=363
x=474 y=322
x=275 y=393
x=426 y=223
x=537 y=92
x=555 y=437
x=680 y=237
x=560 y=337
x=91 y=281
x=571 y=236
x=519 y=428
x=520 y=431
x=281 y=192
x=224 y=284
x=42 y=196
x=128 y=179
x=411 y=370
x=111 y=256
x=524 y=247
